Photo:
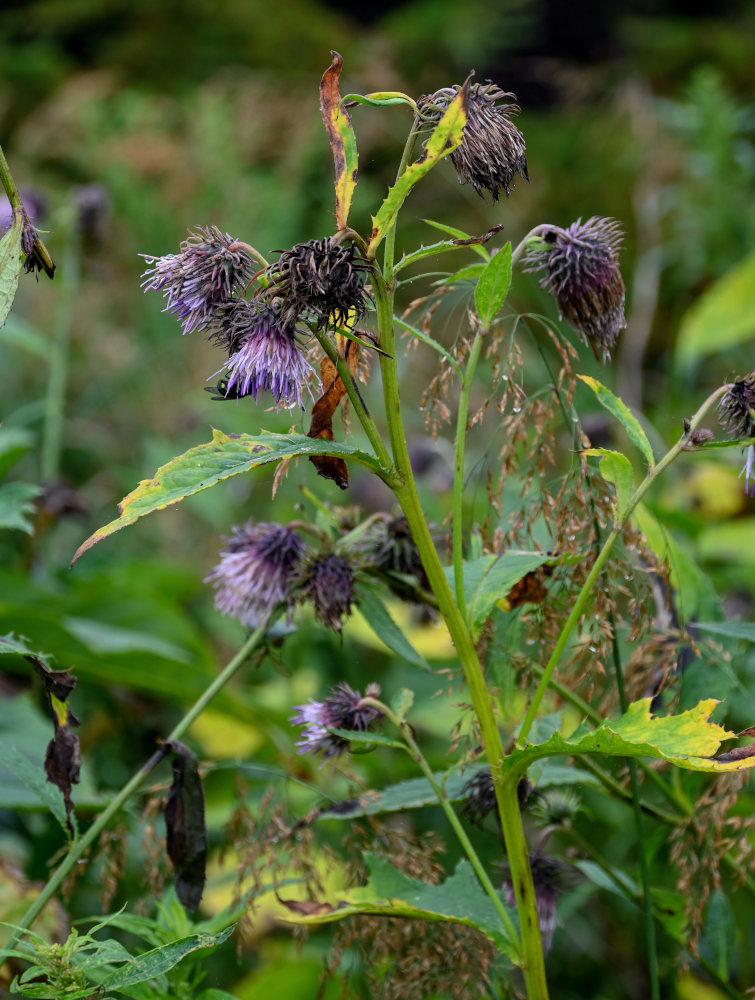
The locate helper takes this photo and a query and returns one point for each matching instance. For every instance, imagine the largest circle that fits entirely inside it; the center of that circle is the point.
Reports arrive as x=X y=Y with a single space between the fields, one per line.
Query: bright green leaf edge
x=619 y=409
x=208 y=464
x=493 y=285
x=390 y=893
x=688 y=740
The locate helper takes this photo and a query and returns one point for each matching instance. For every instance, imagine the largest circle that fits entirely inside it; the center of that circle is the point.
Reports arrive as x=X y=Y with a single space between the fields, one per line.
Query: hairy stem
x=80 y=846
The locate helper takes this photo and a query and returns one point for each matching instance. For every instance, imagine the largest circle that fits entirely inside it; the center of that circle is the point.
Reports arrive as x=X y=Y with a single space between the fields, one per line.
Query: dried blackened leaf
x=321 y=426
x=186 y=834
x=63 y=755
x=530 y=589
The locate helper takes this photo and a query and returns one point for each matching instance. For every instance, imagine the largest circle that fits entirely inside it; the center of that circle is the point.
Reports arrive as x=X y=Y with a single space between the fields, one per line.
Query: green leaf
x=160 y=960
x=445 y=137
x=17 y=506
x=378 y=618
x=32 y=776
x=368 y=739
x=471 y=272
x=10 y=644
x=381 y=99
x=733 y=541
x=617 y=469
x=401 y=702
x=208 y=464
x=10 y=266
x=619 y=409
x=722 y=317
x=688 y=740
x=493 y=286
x=412 y=794
x=687 y=579
x=490 y=578
x=390 y=893
x=732 y=630
x=459 y=234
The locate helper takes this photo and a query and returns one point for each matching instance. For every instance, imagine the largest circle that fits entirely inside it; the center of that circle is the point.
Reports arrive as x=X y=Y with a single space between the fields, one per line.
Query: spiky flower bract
x=263 y=353
x=255 y=570
x=492 y=148
x=736 y=412
x=211 y=267
x=342 y=709
x=322 y=280
x=581 y=269
x=328 y=582
x=480 y=799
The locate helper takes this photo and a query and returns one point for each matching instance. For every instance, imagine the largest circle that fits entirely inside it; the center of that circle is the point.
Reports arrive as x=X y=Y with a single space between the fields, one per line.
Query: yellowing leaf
x=342 y=139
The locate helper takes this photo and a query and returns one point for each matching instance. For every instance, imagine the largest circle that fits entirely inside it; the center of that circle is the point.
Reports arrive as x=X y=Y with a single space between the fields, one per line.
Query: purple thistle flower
x=264 y=353
x=328 y=582
x=582 y=271
x=255 y=569
x=210 y=268
x=342 y=709
x=492 y=148
x=736 y=412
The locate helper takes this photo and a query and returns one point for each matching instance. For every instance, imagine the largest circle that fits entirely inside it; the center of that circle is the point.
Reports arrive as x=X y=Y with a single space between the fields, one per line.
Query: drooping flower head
x=342 y=709
x=255 y=570
x=492 y=148
x=480 y=799
x=263 y=353
x=736 y=412
x=211 y=267
x=328 y=582
x=581 y=269
x=550 y=877
x=322 y=280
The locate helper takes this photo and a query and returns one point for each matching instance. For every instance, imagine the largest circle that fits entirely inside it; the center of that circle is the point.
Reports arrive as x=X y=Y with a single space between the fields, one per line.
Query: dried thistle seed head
x=736 y=410
x=581 y=269
x=328 y=582
x=342 y=709
x=210 y=268
x=480 y=799
x=550 y=877
x=255 y=570
x=492 y=149
x=322 y=280
x=263 y=353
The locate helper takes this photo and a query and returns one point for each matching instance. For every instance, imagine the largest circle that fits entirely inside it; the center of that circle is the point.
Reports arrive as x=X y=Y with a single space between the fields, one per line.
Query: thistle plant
x=558 y=555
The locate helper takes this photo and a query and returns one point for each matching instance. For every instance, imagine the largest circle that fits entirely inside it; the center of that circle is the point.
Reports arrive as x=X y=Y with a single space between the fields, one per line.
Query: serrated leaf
x=208 y=464
x=688 y=740
x=378 y=618
x=493 y=286
x=390 y=893
x=401 y=702
x=619 y=409
x=342 y=140
x=160 y=960
x=722 y=317
x=445 y=137
x=17 y=506
x=489 y=578
x=617 y=469
x=10 y=266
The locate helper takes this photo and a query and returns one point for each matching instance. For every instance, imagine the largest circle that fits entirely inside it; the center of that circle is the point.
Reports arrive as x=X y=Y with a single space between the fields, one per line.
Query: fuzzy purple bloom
x=492 y=148
x=264 y=354
x=342 y=709
x=581 y=265
x=210 y=268
x=255 y=570
x=736 y=412
x=328 y=582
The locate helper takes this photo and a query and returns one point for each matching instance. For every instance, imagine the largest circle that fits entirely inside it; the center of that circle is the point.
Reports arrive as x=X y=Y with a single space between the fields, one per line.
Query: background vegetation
x=131 y=122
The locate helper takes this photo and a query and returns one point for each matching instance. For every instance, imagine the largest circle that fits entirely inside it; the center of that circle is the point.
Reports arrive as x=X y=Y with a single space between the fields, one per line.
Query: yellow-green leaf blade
x=617 y=469
x=619 y=409
x=342 y=140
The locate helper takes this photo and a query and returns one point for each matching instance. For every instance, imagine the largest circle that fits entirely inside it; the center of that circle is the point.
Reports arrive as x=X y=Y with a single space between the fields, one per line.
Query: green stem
x=405 y=490
x=80 y=846
x=521 y=247
x=458 y=495
x=370 y=428
x=406 y=734
x=565 y=634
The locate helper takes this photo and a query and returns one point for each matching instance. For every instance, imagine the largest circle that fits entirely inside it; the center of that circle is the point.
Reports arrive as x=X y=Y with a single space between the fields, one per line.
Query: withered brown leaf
x=186 y=834
x=321 y=426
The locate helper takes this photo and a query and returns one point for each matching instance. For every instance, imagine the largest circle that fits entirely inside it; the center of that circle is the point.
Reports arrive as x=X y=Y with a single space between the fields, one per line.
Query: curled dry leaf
x=321 y=427
x=63 y=755
x=186 y=834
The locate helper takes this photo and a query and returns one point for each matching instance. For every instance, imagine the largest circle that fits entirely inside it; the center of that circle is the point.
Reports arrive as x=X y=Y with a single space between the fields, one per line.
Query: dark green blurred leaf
x=378 y=618
x=17 y=506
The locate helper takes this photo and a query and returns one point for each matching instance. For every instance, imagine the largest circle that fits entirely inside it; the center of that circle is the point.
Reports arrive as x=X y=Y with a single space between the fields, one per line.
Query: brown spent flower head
x=322 y=280
x=581 y=265
x=492 y=149
x=328 y=582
